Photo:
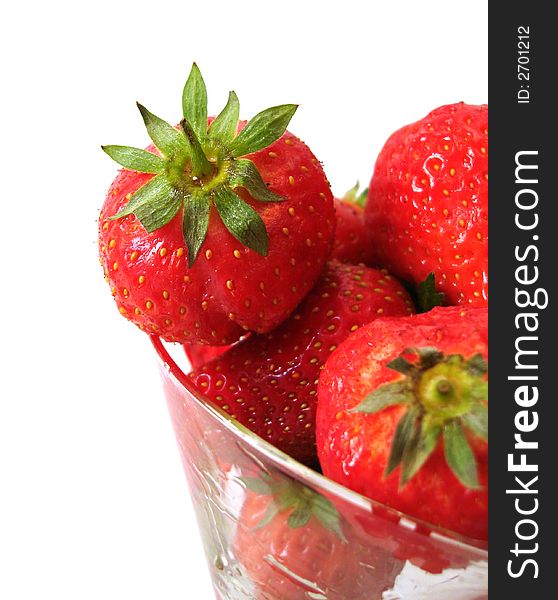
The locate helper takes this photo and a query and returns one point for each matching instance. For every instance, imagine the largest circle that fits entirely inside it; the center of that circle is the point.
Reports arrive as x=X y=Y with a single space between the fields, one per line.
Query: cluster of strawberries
x=350 y=333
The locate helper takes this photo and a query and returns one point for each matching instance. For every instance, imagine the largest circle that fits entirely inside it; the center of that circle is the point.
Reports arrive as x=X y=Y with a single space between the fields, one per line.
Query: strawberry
x=216 y=229
x=269 y=382
x=293 y=544
x=352 y=242
x=199 y=354
x=402 y=416
x=424 y=295
x=427 y=207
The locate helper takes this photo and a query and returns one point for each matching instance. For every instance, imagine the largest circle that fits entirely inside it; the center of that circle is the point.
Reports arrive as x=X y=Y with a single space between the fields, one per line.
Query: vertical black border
x=516 y=127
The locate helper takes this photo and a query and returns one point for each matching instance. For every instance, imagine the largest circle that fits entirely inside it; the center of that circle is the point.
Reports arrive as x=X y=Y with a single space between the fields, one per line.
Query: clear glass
x=372 y=553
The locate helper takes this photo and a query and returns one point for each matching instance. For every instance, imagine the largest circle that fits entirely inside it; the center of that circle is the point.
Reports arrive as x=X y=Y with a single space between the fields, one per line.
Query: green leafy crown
x=299 y=501
x=356 y=195
x=199 y=166
x=445 y=395
x=425 y=294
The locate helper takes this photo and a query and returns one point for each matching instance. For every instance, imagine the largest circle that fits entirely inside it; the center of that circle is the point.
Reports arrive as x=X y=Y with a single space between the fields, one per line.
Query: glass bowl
x=273 y=529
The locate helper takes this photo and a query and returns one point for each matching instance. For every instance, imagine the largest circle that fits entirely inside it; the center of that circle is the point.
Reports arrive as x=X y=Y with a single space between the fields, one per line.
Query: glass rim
x=299 y=471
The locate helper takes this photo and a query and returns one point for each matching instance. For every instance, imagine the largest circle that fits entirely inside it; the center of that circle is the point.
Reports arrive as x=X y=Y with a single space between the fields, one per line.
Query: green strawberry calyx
x=446 y=396
x=356 y=195
x=301 y=502
x=199 y=166
x=426 y=295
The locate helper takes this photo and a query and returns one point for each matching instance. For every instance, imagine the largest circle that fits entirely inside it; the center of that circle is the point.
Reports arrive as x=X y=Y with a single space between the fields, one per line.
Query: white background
x=93 y=503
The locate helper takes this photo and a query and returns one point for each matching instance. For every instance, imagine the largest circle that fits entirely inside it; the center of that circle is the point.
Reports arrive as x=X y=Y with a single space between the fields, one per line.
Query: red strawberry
x=229 y=230
x=292 y=542
x=427 y=207
x=199 y=354
x=402 y=416
x=352 y=242
x=426 y=298
x=269 y=382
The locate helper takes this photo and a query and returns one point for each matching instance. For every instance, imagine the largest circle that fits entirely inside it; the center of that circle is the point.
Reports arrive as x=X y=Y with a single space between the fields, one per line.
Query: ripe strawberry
x=293 y=544
x=427 y=207
x=352 y=242
x=402 y=416
x=199 y=354
x=425 y=298
x=269 y=382
x=212 y=232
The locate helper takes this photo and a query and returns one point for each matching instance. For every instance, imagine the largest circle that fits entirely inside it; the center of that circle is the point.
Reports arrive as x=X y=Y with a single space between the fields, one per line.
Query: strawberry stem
x=444 y=395
x=201 y=167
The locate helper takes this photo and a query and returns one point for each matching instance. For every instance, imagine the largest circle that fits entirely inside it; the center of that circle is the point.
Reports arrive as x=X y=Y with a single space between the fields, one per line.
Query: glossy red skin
x=423 y=216
x=312 y=552
x=269 y=382
x=222 y=295
x=352 y=242
x=198 y=355
x=353 y=448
